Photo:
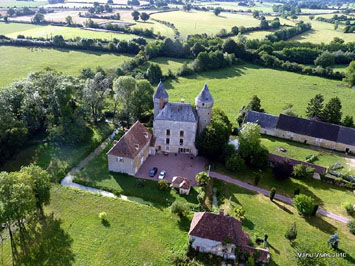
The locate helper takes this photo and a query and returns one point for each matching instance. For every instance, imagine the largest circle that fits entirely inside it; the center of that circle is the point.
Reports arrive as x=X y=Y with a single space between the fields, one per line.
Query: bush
x=272 y=193
x=291 y=233
x=202 y=178
x=282 y=170
x=348 y=207
x=257 y=178
x=103 y=216
x=296 y=191
x=351 y=226
x=163 y=185
x=239 y=212
x=304 y=205
x=180 y=209
x=302 y=171
x=235 y=163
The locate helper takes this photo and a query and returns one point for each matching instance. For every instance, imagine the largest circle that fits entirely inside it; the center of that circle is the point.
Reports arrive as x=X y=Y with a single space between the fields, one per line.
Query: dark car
x=153 y=172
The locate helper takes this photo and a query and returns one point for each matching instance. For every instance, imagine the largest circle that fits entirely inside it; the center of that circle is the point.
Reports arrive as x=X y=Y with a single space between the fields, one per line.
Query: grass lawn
x=233 y=87
x=205 y=22
x=15 y=3
x=13 y=29
x=263 y=216
x=42 y=154
x=156 y=26
x=322 y=32
x=97 y=172
x=18 y=62
x=300 y=151
x=166 y=63
x=136 y=234
x=264 y=7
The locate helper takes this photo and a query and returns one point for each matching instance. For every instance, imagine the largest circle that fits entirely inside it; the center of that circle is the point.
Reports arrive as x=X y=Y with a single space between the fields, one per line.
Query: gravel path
x=277 y=196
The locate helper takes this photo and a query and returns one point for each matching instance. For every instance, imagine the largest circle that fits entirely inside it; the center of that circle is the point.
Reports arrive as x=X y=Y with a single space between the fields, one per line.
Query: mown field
x=135 y=234
x=12 y=30
x=194 y=22
x=233 y=87
x=18 y=62
x=14 y=3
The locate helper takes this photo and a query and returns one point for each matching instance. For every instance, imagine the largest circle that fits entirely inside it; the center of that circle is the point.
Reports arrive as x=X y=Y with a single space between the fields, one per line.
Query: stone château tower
x=160 y=99
x=204 y=103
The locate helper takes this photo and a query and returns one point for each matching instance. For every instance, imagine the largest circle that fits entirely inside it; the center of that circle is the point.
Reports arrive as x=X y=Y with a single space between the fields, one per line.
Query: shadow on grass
x=282 y=207
x=274 y=249
x=105 y=223
x=248 y=224
x=184 y=223
x=321 y=224
x=48 y=244
x=348 y=257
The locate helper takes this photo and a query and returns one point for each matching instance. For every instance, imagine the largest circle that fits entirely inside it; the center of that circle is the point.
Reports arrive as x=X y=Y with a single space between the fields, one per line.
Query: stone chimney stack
x=182 y=100
x=221 y=212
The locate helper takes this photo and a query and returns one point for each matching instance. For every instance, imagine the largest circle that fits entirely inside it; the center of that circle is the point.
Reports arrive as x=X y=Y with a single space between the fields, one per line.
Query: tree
x=163 y=185
x=215 y=136
x=282 y=170
x=272 y=194
x=348 y=121
x=202 y=178
x=256 y=13
x=235 y=163
x=288 y=110
x=264 y=24
x=291 y=233
x=179 y=208
x=351 y=226
x=235 y=30
x=217 y=11
x=255 y=104
x=239 y=212
x=304 y=204
x=249 y=140
x=332 y=111
x=334 y=241
x=325 y=59
x=135 y=14
x=38 y=18
x=232 y=47
x=187 y=7
x=11 y=12
x=58 y=40
x=144 y=16
x=154 y=73
x=140 y=100
x=302 y=171
x=69 y=20
x=350 y=74
x=310 y=247
x=315 y=107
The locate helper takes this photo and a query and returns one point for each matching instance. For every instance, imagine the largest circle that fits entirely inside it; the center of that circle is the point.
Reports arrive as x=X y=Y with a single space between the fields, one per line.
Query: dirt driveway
x=175 y=165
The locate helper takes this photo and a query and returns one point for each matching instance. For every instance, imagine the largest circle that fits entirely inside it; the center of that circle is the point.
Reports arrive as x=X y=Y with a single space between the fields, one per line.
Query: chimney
x=182 y=100
x=221 y=212
x=161 y=103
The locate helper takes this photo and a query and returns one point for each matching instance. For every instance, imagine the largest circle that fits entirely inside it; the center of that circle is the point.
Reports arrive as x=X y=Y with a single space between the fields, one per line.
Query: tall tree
x=350 y=74
x=135 y=15
x=144 y=16
x=332 y=111
x=315 y=107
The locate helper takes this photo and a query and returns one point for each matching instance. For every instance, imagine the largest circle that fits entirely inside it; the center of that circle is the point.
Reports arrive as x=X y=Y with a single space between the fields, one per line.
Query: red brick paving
x=175 y=165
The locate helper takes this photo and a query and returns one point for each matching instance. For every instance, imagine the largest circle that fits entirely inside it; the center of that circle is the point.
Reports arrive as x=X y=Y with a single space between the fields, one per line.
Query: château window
x=167 y=141
x=181 y=142
x=168 y=132
x=120 y=160
x=181 y=133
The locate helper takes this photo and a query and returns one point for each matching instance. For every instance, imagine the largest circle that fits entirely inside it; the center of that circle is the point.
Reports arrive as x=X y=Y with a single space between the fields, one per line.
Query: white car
x=162 y=174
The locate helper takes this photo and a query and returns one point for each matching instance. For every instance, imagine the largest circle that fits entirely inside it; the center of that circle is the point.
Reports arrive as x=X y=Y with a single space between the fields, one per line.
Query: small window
x=181 y=142
x=305 y=141
x=167 y=141
x=119 y=160
x=167 y=148
x=168 y=132
x=203 y=104
x=146 y=135
x=136 y=146
x=181 y=133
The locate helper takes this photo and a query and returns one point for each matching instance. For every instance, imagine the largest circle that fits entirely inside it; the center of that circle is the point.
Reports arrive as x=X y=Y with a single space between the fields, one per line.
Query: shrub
x=302 y=171
x=334 y=241
x=179 y=208
x=201 y=197
x=239 y=212
x=235 y=163
x=348 y=207
x=291 y=233
x=257 y=178
x=103 y=216
x=163 y=185
x=304 y=205
x=272 y=193
x=351 y=226
x=202 y=178
x=296 y=191
x=282 y=170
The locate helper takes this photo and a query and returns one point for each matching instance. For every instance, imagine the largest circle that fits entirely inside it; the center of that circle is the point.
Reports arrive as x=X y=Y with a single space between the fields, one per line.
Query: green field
x=264 y=7
x=13 y=29
x=166 y=63
x=14 y=3
x=136 y=234
x=233 y=87
x=18 y=62
x=157 y=27
x=194 y=22
x=322 y=32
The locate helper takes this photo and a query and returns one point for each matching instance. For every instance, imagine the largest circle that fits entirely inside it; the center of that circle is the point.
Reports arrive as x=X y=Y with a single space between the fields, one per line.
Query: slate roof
x=178 y=112
x=346 y=135
x=308 y=127
x=205 y=95
x=218 y=227
x=280 y=159
x=132 y=142
x=263 y=119
x=160 y=92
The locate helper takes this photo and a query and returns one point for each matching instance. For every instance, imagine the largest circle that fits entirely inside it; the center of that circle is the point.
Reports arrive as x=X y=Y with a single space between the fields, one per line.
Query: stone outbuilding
x=182 y=184
x=128 y=154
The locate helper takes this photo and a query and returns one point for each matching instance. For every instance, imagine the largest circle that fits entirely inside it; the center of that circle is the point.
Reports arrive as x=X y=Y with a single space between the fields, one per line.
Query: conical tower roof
x=205 y=95
x=160 y=92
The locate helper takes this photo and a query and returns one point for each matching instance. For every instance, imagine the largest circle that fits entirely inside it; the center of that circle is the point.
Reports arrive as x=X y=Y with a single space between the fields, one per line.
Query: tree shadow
x=273 y=248
x=105 y=223
x=321 y=224
x=282 y=207
x=348 y=256
x=48 y=243
x=248 y=224
x=184 y=223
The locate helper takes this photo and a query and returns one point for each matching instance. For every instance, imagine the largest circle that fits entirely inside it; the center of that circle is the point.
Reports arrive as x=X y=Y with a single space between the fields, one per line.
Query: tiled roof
x=178 y=112
x=218 y=227
x=308 y=127
x=263 y=119
x=205 y=95
x=280 y=159
x=132 y=142
x=160 y=92
x=181 y=182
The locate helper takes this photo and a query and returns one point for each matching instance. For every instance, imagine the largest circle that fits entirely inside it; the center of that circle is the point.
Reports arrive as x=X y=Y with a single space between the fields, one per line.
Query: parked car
x=162 y=174
x=153 y=172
